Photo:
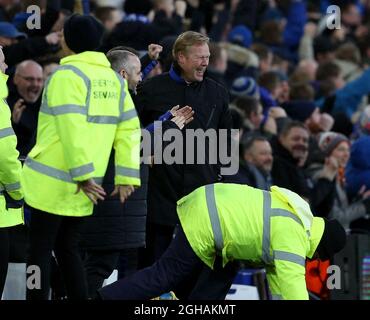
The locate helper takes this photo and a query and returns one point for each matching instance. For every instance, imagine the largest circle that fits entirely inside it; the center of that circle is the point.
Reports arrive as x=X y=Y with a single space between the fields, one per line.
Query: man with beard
x=25 y=103
x=290 y=154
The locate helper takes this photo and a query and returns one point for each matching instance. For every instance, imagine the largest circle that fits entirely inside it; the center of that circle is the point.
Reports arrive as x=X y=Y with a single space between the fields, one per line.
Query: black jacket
x=116 y=226
x=285 y=171
x=209 y=100
x=26 y=128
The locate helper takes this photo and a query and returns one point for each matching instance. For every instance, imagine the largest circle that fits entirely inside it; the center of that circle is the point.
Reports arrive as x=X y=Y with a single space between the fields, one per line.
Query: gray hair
x=120 y=59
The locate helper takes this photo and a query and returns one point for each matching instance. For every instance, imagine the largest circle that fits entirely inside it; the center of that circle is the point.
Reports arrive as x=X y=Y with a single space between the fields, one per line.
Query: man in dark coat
x=185 y=84
x=290 y=151
x=25 y=100
x=116 y=229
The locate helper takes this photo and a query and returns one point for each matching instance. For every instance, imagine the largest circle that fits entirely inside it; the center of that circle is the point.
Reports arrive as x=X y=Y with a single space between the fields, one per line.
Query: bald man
x=25 y=101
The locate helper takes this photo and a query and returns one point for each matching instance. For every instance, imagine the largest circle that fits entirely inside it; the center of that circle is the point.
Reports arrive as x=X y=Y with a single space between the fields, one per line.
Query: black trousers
x=158 y=238
x=99 y=265
x=50 y=232
x=177 y=263
x=4 y=257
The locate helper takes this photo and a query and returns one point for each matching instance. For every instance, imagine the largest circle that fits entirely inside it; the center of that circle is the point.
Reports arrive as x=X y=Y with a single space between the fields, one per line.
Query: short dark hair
x=327 y=70
x=302 y=91
x=247 y=143
x=247 y=105
x=289 y=125
x=269 y=80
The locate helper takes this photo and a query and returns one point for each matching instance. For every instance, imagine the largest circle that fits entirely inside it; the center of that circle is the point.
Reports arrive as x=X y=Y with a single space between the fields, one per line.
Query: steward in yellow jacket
x=86 y=111
x=273 y=229
x=11 y=196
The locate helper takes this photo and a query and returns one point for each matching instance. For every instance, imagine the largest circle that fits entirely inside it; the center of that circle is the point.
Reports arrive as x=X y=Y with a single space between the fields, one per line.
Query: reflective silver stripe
x=291 y=257
x=276 y=297
x=76 y=71
x=123 y=94
x=64 y=109
x=49 y=171
x=128 y=115
x=84 y=78
x=266 y=257
x=6 y=132
x=214 y=217
x=80 y=171
x=12 y=186
x=128 y=172
x=284 y=213
x=54 y=173
x=103 y=119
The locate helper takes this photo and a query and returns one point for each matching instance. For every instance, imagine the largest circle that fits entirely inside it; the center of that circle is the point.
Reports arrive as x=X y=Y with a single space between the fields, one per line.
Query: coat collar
x=175 y=73
x=91 y=57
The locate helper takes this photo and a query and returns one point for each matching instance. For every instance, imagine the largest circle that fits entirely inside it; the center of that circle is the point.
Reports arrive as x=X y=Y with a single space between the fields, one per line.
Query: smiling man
x=25 y=103
x=186 y=84
x=290 y=154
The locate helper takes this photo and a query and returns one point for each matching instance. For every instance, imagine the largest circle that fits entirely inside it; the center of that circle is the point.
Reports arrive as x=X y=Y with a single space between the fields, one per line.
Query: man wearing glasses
x=24 y=101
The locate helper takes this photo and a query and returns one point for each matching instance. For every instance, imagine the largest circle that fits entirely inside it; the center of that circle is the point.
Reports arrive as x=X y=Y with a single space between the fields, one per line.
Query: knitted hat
x=328 y=141
x=299 y=110
x=82 y=33
x=241 y=35
x=245 y=86
x=333 y=239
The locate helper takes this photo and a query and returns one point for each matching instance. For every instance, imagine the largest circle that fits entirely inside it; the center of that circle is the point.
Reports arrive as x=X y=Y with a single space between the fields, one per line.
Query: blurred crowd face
x=194 y=62
x=167 y=6
x=114 y=18
x=3 y=65
x=257 y=117
x=4 y=41
x=29 y=80
x=296 y=142
x=351 y=17
x=342 y=153
x=260 y=155
x=338 y=82
x=283 y=92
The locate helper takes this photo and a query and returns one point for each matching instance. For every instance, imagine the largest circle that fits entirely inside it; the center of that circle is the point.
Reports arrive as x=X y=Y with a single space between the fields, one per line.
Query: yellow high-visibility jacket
x=10 y=167
x=86 y=110
x=264 y=228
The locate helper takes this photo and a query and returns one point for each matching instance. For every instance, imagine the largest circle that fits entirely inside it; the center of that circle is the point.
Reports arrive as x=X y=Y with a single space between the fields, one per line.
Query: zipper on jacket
x=211 y=116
